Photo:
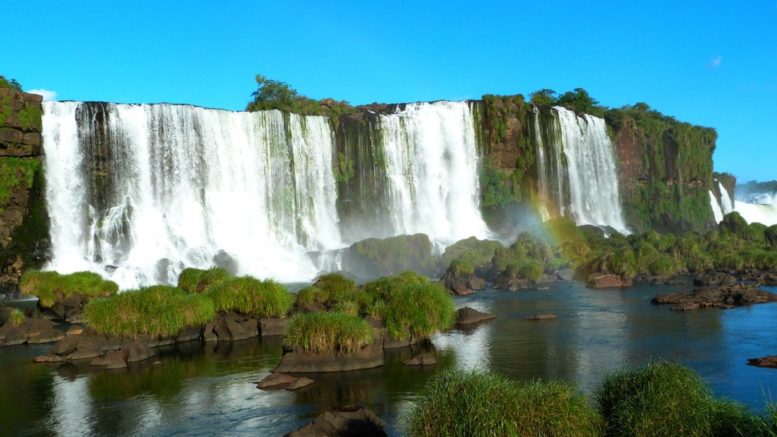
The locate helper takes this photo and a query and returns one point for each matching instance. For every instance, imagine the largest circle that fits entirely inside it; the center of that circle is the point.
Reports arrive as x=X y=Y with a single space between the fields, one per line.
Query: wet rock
x=137 y=351
x=75 y=330
x=300 y=383
x=368 y=357
x=470 y=316
x=111 y=360
x=188 y=334
x=422 y=359
x=392 y=343
x=276 y=380
x=33 y=331
x=541 y=316
x=270 y=327
x=720 y=297
x=209 y=332
x=566 y=274
x=476 y=283
x=346 y=421
x=69 y=309
x=608 y=280
x=240 y=327
x=49 y=358
x=767 y=361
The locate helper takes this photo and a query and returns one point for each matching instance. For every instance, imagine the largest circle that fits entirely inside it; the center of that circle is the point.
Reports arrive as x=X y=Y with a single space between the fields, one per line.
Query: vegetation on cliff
x=10 y=83
x=273 y=94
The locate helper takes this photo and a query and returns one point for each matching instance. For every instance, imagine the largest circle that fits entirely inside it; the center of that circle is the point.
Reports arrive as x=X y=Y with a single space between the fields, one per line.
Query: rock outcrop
x=345 y=421
x=719 y=297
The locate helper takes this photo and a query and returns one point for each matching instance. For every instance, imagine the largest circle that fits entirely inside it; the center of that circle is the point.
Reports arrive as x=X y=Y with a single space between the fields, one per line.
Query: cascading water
x=758 y=208
x=591 y=172
x=432 y=171
x=717 y=212
x=150 y=189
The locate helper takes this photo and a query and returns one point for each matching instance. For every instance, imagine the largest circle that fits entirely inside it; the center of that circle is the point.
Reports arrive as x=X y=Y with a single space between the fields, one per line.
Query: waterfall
x=431 y=164
x=758 y=208
x=591 y=172
x=726 y=204
x=138 y=192
x=717 y=212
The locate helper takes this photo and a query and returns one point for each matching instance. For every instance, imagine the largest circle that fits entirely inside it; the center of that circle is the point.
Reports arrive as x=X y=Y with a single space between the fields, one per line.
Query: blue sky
x=712 y=63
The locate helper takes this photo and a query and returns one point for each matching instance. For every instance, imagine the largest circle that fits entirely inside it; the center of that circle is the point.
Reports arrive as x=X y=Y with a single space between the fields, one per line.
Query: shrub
x=416 y=311
x=328 y=332
x=16 y=317
x=51 y=286
x=153 y=311
x=384 y=288
x=473 y=252
x=252 y=297
x=659 y=399
x=457 y=403
x=335 y=291
x=193 y=280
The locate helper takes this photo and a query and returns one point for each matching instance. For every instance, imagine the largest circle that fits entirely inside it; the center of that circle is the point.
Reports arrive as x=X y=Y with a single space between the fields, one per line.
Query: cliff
x=23 y=218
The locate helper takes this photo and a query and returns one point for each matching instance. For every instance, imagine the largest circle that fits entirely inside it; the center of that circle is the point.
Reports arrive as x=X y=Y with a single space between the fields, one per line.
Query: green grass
x=457 y=403
x=193 y=280
x=16 y=317
x=51 y=286
x=416 y=311
x=153 y=311
x=335 y=292
x=252 y=297
x=328 y=332
x=665 y=398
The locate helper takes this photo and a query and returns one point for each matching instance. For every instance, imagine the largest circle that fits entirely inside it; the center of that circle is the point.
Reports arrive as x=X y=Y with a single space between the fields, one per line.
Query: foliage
x=16 y=317
x=153 y=311
x=193 y=280
x=580 y=101
x=10 y=83
x=50 y=287
x=335 y=291
x=14 y=173
x=414 y=311
x=328 y=332
x=273 y=94
x=471 y=253
x=457 y=403
x=543 y=97
x=251 y=297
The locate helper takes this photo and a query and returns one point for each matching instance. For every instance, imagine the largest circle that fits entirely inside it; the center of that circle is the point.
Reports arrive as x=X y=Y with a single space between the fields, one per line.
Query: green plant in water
x=252 y=297
x=328 y=332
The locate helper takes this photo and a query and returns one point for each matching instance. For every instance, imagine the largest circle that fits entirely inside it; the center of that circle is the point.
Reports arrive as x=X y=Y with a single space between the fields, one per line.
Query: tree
x=5 y=83
x=580 y=101
x=543 y=97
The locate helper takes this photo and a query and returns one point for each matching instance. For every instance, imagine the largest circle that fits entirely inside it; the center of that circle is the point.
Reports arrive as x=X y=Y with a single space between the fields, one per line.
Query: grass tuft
x=193 y=280
x=16 y=317
x=328 y=332
x=252 y=297
x=52 y=286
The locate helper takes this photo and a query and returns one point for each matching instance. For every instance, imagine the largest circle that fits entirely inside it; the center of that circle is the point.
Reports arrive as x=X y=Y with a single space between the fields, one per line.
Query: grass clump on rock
x=413 y=310
x=665 y=398
x=52 y=286
x=333 y=291
x=251 y=297
x=153 y=311
x=193 y=280
x=16 y=317
x=328 y=332
x=457 y=403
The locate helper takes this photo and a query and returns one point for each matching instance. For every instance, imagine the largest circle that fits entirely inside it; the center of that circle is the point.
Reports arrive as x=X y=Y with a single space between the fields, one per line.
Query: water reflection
x=201 y=390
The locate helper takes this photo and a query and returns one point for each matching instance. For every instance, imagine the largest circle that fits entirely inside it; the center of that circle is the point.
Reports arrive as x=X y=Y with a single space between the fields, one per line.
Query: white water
x=726 y=203
x=542 y=172
x=593 y=180
x=432 y=168
x=717 y=212
x=188 y=184
x=758 y=208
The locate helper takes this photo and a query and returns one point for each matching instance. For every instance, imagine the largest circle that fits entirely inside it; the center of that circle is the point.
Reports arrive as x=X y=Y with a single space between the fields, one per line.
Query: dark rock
x=720 y=297
x=347 y=421
x=566 y=274
x=138 y=351
x=470 y=316
x=607 y=280
x=767 y=361
x=209 y=332
x=33 y=331
x=75 y=330
x=300 y=383
x=111 y=360
x=313 y=307
x=240 y=327
x=189 y=334
x=541 y=316
x=368 y=357
x=459 y=288
x=422 y=359
x=476 y=283
x=50 y=358
x=392 y=343
x=276 y=381
x=269 y=327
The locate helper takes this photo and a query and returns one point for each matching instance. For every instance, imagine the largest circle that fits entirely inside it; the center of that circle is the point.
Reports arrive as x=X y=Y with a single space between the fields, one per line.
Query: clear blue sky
x=712 y=63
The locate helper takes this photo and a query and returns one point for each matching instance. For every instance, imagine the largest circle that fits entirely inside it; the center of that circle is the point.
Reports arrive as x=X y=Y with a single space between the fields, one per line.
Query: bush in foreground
x=153 y=311
x=193 y=280
x=50 y=286
x=252 y=297
x=457 y=403
x=416 y=311
x=328 y=332
x=665 y=398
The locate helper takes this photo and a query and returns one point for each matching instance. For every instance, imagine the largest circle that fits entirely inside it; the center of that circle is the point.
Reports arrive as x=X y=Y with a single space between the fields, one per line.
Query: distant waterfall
x=717 y=212
x=758 y=208
x=590 y=170
x=147 y=190
x=726 y=203
x=432 y=171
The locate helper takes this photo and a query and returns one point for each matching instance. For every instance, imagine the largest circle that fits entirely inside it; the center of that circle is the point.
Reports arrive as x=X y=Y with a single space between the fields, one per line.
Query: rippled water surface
x=206 y=390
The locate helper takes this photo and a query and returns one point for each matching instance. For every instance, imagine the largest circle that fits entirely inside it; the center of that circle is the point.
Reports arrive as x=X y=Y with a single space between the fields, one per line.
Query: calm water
x=196 y=390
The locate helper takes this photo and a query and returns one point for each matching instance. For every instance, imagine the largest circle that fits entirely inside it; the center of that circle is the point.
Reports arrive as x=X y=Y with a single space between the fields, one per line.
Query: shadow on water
x=196 y=389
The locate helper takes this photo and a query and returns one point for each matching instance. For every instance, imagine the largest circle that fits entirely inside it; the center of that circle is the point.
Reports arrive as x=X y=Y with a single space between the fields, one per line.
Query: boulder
x=470 y=316
x=299 y=361
x=608 y=280
x=111 y=360
x=299 y=384
x=423 y=359
x=189 y=334
x=270 y=327
x=276 y=380
x=476 y=283
x=719 y=297
x=32 y=331
x=346 y=421
x=75 y=330
x=566 y=274
x=137 y=351
x=541 y=316
x=767 y=361
x=49 y=358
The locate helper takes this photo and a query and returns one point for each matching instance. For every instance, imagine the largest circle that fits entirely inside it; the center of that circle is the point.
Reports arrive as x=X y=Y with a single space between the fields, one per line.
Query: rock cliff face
x=23 y=218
